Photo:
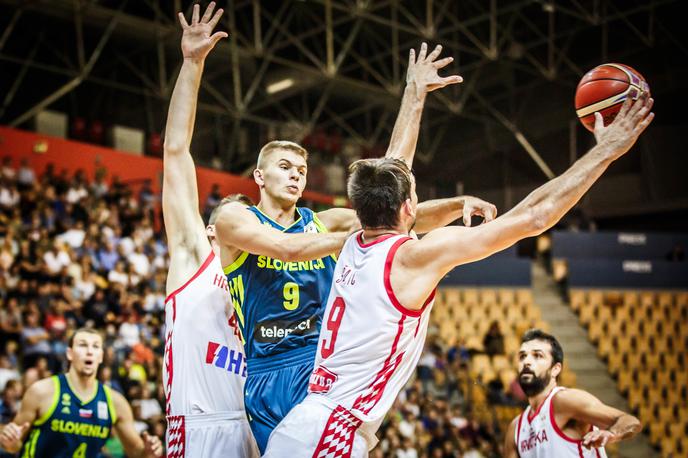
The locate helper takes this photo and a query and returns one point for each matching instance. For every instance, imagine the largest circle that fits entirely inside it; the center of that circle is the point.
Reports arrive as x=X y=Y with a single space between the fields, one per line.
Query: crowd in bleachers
x=77 y=252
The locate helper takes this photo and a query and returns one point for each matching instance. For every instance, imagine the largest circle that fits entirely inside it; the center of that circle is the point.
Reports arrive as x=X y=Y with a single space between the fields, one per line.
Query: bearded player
x=379 y=304
x=279 y=302
x=72 y=415
x=560 y=422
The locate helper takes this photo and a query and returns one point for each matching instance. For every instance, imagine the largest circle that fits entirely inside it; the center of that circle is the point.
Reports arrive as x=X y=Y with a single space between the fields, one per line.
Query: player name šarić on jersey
x=72 y=427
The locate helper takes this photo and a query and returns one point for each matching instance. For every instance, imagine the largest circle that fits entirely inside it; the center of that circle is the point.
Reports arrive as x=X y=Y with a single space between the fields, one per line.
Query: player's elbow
x=540 y=218
x=635 y=426
x=173 y=147
x=287 y=252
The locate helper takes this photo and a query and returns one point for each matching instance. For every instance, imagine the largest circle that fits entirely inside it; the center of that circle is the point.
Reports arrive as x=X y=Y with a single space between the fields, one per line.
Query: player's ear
x=258 y=177
x=556 y=370
x=210 y=230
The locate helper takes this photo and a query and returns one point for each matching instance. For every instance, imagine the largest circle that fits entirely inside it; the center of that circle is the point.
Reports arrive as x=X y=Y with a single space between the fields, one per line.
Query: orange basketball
x=604 y=89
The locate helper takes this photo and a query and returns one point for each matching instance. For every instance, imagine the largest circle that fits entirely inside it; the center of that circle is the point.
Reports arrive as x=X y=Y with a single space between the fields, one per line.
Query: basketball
x=604 y=89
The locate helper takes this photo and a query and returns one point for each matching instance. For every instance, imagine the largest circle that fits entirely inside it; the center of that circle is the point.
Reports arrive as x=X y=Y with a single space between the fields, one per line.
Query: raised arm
x=421 y=78
x=185 y=230
x=428 y=260
x=236 y=227
x=582 y=407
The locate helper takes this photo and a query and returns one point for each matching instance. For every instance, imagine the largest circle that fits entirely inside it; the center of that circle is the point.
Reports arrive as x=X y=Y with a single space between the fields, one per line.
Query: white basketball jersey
x=369 y=343
x=204 y=362
x=538 y=436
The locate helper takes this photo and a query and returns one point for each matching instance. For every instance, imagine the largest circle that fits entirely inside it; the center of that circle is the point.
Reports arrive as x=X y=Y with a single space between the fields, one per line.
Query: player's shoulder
x=567 y=398
x=43 y=387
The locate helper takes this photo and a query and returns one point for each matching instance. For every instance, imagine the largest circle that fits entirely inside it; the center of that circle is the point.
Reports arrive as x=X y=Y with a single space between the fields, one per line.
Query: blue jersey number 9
x=291 y=296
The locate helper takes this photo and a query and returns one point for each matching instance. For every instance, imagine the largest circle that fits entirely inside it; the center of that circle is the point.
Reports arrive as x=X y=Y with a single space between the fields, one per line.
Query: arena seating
x=643 y=335
x=463 y=316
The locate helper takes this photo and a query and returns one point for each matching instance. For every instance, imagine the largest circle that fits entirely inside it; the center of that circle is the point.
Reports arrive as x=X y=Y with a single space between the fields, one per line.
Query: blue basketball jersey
x=72 y=427
x=279 y=305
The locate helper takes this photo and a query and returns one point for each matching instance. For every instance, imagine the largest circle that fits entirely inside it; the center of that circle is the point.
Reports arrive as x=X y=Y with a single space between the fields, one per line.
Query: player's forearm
x=182 y=112
x=551 y=201
x=402 y=145
x=307 y=247
x=625 y=427
x=436 y=213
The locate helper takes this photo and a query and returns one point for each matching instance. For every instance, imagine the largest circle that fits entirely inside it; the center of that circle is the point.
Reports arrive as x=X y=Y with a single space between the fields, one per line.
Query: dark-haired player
x=560 y=422
x=72 y=415
x=379 y=303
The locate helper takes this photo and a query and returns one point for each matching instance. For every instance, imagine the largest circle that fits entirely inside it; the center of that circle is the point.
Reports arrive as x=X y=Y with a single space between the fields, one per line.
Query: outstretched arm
x=581 y=406
x=421 y=78
x=430 y=214
x=183 y=224
x=443 y=249
x=236 y=227
x=436 y=213
x=180 y=208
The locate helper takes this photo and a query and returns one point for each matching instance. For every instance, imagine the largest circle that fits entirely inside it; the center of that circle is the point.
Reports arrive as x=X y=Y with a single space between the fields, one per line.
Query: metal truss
x=322 y=65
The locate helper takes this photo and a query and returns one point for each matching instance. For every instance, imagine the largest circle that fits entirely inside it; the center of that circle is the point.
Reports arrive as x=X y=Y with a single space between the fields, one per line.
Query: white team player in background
x=559 y=422
x=383 y=286
x=204 y=363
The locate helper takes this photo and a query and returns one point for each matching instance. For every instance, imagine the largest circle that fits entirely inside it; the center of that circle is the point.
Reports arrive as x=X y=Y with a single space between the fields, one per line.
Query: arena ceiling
x=293 y=67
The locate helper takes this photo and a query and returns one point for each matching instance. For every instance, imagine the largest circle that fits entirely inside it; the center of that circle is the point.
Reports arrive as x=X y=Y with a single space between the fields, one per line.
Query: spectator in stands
x=7 y=373
x=26 y=177
x=493 y=342
x=8 y=171
x=35 y=340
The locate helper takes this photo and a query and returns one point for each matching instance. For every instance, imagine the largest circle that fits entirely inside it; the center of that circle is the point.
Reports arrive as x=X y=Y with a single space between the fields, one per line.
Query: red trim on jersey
x=169 y=368
x=580 y=450
x=200 y=270
x=530 y=417
x=337 y=439
x=176 y=436
x=359 y=239
x=556 y=427
x=518 y=434
x=388 y=283
x=366 y=401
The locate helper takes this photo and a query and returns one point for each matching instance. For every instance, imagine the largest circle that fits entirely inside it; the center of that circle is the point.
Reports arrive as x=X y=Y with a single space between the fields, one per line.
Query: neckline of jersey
x=283 y=228
x=93 y=396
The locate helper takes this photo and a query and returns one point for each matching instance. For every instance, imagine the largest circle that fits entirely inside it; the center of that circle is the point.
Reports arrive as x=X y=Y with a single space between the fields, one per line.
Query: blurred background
x=85 y=87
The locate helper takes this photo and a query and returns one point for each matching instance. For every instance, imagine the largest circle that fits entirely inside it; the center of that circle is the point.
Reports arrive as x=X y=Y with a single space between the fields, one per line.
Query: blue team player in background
x=72 y=415
x=284 y=256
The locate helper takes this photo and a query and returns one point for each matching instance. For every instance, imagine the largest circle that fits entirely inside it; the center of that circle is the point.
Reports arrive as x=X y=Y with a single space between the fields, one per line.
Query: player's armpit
x=583 y=407
x=237 y=227
x=510 y=450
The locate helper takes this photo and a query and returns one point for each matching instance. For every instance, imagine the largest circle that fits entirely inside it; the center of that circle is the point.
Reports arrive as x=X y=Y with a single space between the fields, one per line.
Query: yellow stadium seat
x=677 y=429
x=630 y=298
x=451 y=295
x=596 y=329
x=595 y=297
x=488 y=297
x=665 y=414
x=615 y=362
x=506 y=297
x=665 y=299
x=576 y=298
x=668 y=445
x=500 y=362
x=657 y=431
x=474 y=343
x=646 y=414
x=635 y=397
x=587 y=314
x=470 y=297
x=507 y=376
x=625 y=380
x=605 y=346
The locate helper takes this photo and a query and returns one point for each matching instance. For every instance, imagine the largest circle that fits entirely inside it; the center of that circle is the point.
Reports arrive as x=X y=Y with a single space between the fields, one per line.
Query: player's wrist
x=417 y=91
